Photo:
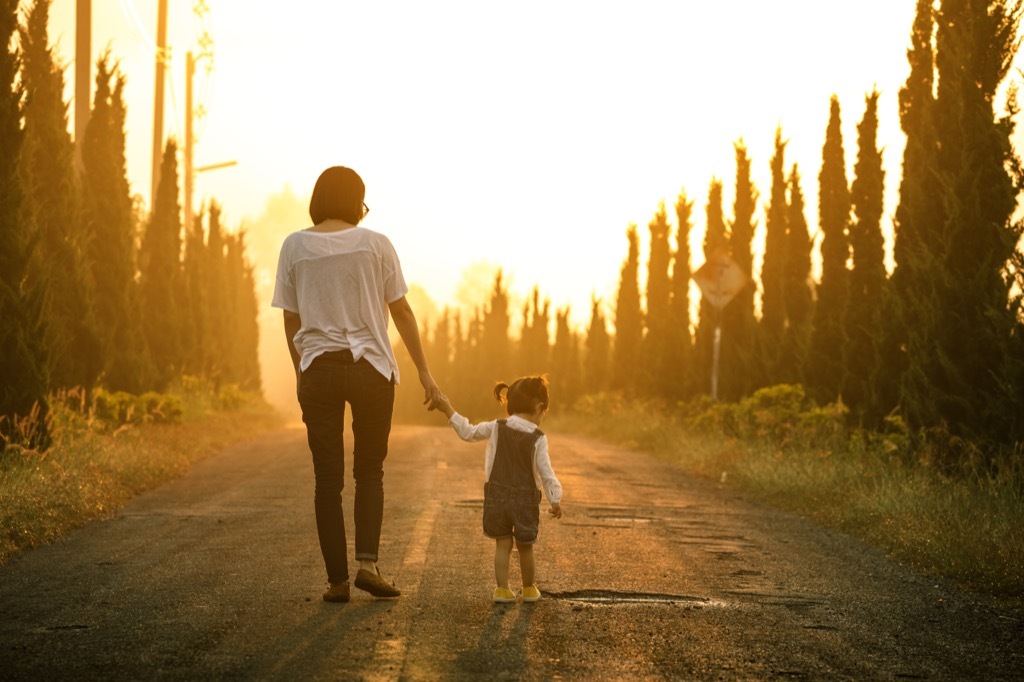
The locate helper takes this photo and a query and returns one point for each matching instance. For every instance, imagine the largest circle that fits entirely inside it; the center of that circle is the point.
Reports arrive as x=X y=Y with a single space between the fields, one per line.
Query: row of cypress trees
x=92 y=291
x=938 y=341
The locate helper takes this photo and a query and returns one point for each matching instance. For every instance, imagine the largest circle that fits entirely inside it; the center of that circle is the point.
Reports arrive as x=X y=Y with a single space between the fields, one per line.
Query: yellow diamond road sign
x=720 y=279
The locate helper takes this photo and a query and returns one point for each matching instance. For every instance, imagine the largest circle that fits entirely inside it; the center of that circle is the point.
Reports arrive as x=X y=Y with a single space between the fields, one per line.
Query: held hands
x=443 y=404
x=556 y=510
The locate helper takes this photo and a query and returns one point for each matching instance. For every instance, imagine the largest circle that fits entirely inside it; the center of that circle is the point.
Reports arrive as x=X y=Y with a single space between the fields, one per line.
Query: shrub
x=780 y=415
x=30 y=432
x=118 y=408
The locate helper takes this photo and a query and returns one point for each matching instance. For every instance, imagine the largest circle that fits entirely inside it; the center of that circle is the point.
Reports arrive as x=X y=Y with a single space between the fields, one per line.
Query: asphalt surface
x=649 y=575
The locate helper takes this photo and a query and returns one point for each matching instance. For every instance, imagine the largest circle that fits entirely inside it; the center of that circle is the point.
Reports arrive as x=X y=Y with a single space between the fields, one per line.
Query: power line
x=129 y=11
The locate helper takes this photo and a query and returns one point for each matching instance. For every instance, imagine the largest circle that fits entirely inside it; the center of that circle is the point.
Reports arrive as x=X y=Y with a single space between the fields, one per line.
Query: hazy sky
x=527 y=134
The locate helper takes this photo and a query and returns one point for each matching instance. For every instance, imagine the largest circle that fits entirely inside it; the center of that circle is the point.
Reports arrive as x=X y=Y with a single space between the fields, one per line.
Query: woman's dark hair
x=524 y=395
x=338 y=194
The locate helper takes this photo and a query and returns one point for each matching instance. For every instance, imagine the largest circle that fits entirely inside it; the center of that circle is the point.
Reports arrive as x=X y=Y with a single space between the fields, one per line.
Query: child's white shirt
x=543 y=474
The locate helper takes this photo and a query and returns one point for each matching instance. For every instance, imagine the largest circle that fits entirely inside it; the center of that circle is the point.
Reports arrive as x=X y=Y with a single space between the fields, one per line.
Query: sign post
x=719 y=279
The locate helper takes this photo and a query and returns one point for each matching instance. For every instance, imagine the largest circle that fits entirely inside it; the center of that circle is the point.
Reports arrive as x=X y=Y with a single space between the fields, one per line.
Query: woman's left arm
x=409 y=330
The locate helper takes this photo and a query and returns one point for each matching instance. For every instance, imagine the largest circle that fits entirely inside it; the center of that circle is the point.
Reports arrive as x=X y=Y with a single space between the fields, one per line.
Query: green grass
x=966 y=527
x=95 y=465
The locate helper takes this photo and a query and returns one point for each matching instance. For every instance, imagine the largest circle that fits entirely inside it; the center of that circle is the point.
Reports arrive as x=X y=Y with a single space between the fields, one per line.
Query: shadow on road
x=500 y=649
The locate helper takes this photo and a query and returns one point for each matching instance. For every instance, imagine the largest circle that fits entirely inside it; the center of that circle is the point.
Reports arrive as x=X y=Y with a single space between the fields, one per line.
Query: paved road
x=650 y=575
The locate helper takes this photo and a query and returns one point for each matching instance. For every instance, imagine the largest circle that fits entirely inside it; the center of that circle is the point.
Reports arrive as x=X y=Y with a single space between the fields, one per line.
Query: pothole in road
x=613 y=597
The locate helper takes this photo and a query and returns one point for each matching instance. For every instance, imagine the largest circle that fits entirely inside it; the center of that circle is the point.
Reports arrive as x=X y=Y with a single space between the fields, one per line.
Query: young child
x=516 y=465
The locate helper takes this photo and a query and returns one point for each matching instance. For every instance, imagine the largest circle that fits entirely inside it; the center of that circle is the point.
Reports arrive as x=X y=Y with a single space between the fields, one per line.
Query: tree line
x=938 y=342
x=94 y=290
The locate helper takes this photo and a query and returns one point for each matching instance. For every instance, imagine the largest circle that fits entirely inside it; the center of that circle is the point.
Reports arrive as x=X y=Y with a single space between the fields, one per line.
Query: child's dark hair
x=524 y=395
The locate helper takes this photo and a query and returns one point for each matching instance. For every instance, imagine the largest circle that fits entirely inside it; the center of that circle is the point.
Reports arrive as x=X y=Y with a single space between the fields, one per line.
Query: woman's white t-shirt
x=340 y=284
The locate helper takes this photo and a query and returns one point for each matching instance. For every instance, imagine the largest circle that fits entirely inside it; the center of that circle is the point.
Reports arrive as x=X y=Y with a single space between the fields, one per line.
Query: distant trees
x=678 y=365
x=740 y=363
x=494 y=341
x=716 y=238
x=239 y=330
x=939 y=342
x=773 y=271
x=566 y=373
x=535 y=343
x=598 y=344
x=628 y=318
x=82 y=304
x=655 y=355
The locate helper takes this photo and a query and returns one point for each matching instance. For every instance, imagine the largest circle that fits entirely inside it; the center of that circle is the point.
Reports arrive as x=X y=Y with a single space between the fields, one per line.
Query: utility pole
x=162 y=57
x=206 y=45
x=190 y=71
x=190 y=115
x=83 y=74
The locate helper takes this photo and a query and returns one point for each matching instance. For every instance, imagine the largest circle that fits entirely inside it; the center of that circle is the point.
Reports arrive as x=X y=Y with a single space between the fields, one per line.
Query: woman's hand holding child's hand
x=556 y=510
x=443 y=404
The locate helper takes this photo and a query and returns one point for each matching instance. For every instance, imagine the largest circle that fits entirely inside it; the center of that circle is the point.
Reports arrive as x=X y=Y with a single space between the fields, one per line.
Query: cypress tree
x=443 y=346
x=52 y=210
x=161 y=275
x=216 y=313
x=657 y=380
x=825 y=371
x=680 y=342
x=110 y=225
x=917 y=209
x=864 y=324
x=565 y=370
x=960 y=371
x=243 y=326
x=478 y=368
x=534 y=342
x=198 y=296
x=462 y=362
x=628 y=318
x=739 y=375
x=495 y=344
x=598 y=345
x=799 y=302
x=716 y=238
x=22 y=355
x=233 y=265
x=773 y=271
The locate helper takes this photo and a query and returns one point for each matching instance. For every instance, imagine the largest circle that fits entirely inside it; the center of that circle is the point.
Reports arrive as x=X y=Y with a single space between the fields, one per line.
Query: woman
x=337 y=283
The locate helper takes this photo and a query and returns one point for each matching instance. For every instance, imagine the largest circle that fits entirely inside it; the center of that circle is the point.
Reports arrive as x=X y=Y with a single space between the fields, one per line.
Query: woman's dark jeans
x=327 y=384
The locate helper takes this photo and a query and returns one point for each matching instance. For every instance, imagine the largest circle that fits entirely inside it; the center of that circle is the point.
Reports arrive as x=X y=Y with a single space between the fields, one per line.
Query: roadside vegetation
x=112 y=446
x=930 y=499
